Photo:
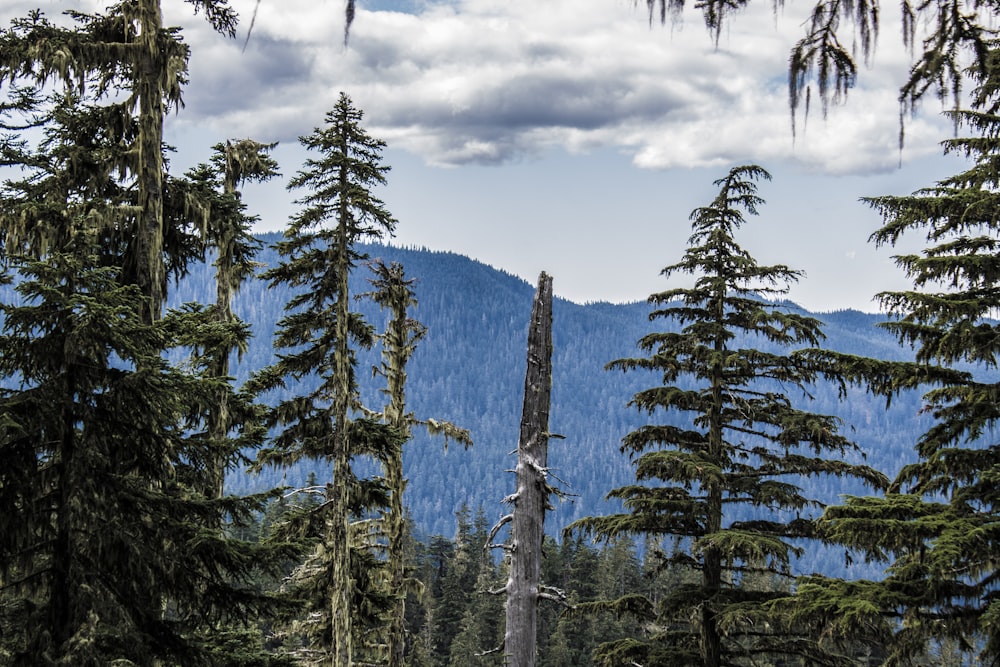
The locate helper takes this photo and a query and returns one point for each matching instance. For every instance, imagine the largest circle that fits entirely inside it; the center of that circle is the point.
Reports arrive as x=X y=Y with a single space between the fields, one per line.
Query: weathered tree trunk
x=532 y=496
x=399 y=347
x=150 y=271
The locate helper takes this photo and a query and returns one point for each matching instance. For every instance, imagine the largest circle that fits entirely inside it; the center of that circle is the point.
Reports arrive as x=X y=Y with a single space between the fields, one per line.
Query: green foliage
x=320 y=334
x=936 y=531
x=127 y=61
x=109 y=551
x=114 y=547
x=742 y=448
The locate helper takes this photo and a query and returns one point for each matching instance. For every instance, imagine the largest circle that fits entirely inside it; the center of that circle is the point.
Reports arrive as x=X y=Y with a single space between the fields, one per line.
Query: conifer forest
x=224 y=448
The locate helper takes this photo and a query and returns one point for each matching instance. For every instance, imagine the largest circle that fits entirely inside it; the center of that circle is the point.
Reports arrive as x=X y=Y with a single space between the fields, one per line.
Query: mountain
x=470 y=370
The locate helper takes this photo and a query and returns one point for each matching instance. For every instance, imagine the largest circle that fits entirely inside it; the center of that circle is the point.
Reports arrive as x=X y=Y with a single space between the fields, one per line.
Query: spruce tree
x=721 y=479
x=126 y=51
x=228 y=237
x=937 y=528
x=392 y=290
x=320 y=335
x=105 y=546
x=98 y=565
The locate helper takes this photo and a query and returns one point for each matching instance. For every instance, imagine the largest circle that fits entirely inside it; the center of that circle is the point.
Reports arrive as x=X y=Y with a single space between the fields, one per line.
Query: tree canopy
x=719 y=485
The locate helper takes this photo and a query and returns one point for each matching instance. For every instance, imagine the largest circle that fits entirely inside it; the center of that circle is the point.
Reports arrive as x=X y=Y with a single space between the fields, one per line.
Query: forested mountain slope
x=470 y=370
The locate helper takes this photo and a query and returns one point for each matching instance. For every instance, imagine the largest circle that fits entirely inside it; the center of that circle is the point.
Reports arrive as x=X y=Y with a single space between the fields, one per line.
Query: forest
x=229 y=449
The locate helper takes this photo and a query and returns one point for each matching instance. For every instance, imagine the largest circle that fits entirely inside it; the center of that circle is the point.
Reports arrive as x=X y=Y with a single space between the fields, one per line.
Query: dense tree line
x=119 y=544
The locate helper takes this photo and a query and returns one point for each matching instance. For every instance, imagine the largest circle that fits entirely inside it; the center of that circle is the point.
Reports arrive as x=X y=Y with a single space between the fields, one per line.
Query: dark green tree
x=320 y=335
x=937 y=529
x=98 y=565
x=567 y=638
x=393 y=291
x=124 y=52
x=722 y=479
x=64 y=369
x=228 y=237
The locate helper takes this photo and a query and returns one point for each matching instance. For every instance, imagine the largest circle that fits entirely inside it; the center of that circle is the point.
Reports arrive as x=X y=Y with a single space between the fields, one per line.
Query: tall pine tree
x=111 y=547
x=722 y=478
x=394 y=291
x=123 y=53
x=320 y=335
x=98 y=565
x=937 y=529
x=228 y=237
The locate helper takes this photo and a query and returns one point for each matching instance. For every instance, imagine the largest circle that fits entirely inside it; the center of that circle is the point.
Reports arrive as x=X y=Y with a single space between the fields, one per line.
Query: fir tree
x=394 y=291
x=321 y=334
x=743 y=440
x=111 y=416
x=936 y=529
x=228 y=236
x=99 y=566
x=128 y=50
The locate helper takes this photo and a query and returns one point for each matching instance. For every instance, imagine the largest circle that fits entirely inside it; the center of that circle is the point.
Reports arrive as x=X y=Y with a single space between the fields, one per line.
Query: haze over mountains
x=469 y=369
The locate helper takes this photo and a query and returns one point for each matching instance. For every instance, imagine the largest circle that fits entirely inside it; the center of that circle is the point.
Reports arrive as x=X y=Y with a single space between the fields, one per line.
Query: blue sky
x=569 y=136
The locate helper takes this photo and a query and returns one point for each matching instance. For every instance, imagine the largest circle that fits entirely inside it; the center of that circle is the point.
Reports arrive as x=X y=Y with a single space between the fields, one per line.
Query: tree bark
x=532 y=497
x=338 y=536
x=150 y=271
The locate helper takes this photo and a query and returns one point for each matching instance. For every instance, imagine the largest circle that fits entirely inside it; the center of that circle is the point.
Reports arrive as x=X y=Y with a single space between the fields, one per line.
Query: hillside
x=470 y=370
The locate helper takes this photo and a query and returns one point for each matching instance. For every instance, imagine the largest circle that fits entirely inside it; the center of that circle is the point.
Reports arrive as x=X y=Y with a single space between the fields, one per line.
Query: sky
x=570 y=136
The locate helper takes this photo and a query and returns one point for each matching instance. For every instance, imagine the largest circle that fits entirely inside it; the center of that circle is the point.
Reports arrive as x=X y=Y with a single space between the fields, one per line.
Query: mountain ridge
x=469 y=369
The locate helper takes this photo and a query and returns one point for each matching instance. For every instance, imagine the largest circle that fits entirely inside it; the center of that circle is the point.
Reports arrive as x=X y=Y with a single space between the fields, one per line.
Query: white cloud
x=490 y=81
x=531 y=85
x=485 y=81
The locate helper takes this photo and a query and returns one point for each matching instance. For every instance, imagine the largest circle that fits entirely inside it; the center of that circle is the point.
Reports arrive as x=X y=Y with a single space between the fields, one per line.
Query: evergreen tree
x=393 y=290
x=744 y=441
x=229 y=237
x=573 y=636
x=937 y=528
x=480 y=627
x=320 y=334
x=61 y=221
x=456 y=589
x=125 y=49
x=99 y=536
x=90 y=550
x=433 y=566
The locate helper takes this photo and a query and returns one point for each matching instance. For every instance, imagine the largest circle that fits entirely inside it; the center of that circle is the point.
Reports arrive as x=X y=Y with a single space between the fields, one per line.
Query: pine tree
x=394 y=291
x=228 y=235
x=936 y=529
x=91 y=551
x=79 y=380
x=128 y=50
x=321 y=334
x=742 y=440
x=574 y=635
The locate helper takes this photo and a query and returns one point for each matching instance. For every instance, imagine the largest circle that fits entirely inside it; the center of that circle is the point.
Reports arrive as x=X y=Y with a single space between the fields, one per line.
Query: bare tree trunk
x=532 y=496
